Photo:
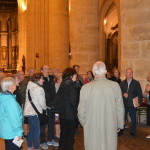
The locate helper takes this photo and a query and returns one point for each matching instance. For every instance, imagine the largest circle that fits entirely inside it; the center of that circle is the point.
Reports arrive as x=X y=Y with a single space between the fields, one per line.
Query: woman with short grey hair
x=10 y=114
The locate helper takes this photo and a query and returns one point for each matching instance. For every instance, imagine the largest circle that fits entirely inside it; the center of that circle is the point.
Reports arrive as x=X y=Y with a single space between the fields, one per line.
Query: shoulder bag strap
x=34 y=107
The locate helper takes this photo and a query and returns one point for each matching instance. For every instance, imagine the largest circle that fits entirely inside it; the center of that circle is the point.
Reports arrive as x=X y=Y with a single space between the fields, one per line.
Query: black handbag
x=43 y=118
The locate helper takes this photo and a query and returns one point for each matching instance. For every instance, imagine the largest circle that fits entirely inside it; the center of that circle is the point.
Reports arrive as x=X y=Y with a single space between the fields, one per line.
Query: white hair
x=6 y=83
x=99 y=68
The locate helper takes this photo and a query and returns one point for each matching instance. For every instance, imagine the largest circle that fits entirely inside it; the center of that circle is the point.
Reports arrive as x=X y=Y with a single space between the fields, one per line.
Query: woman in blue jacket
x=10 y=114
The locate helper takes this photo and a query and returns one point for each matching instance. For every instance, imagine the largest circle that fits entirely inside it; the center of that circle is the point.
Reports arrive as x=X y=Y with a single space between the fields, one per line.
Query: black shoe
x=120 y=133
x=57 y=138
x=132 y=134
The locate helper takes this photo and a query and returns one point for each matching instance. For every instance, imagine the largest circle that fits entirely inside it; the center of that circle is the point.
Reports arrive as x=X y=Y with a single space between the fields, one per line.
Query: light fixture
x=105 y=21
x=69 y=5
x=22 y=4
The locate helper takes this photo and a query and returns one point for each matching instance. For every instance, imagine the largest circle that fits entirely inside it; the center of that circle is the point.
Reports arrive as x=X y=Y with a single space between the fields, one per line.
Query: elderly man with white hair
x=101 y=111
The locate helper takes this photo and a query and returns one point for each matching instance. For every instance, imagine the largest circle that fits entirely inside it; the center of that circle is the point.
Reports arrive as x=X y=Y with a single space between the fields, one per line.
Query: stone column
x=135 y=38
x=84 y=33
x=22 y=36
x=47 y=33
x=59 y=34
x=37 y=33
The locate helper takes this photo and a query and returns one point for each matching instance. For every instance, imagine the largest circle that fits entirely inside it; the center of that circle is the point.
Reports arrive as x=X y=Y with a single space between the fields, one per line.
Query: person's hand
x=19 y=138
x=125 y=95
x=118 y=130
x=137 y=105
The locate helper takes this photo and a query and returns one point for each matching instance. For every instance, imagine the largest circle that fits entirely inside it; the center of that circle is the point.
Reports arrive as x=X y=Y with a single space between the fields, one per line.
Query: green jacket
x=23 y=87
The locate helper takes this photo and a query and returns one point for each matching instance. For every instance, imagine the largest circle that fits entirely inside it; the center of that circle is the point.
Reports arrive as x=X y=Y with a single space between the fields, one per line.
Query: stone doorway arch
x=109 y=34
x=111 y=59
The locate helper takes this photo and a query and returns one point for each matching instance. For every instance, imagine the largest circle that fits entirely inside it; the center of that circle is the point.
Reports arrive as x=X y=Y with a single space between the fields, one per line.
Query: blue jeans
x=132 y=113
x=51 y=123
x=34 y=132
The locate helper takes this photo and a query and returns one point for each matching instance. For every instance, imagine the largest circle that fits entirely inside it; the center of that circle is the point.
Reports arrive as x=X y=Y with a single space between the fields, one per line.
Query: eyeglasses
x=129 y=73
x=21 y=74
x=46 y=68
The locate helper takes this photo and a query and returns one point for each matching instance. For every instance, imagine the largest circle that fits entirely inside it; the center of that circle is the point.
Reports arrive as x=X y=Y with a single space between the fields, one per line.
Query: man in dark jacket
x=130 y=90
x=79 y=82
x=49 y=88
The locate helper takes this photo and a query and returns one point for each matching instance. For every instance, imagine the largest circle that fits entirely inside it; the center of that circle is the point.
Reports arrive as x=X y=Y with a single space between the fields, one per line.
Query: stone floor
x=125 y=142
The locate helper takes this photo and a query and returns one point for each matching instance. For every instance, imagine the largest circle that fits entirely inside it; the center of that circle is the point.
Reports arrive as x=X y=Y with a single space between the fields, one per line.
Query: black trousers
x=9 y=145
x=148 y=115
x=68 y=129
x=51 y=124
x=132 y=113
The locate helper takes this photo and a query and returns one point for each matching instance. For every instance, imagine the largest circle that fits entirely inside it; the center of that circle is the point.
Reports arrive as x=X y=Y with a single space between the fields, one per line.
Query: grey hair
x=6 y=83
x=99 y=68
x=29 y=70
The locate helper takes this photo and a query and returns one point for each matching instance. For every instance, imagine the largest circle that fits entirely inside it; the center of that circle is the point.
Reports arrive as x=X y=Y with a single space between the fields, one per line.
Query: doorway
x=110 y=34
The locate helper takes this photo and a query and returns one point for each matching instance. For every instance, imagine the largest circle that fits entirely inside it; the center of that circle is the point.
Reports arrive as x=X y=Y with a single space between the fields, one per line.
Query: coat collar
x=127 y=81
x=100 y=77
x=8 y=93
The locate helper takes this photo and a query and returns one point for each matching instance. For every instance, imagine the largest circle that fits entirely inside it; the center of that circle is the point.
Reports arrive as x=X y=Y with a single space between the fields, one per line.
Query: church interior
x=62 y=33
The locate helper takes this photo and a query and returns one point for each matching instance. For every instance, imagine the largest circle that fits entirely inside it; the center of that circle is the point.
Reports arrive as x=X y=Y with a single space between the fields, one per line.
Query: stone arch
x=112 y=51
x=105 y=8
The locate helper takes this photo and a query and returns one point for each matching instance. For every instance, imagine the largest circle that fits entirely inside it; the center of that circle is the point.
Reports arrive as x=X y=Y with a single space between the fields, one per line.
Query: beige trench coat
x=101 y=113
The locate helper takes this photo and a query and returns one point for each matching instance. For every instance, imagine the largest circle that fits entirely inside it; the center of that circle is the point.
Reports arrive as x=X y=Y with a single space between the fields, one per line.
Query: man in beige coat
x=101 y=111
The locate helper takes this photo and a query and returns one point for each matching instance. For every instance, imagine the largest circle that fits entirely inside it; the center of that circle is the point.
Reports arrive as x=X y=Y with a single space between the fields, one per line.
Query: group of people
x=100 y=104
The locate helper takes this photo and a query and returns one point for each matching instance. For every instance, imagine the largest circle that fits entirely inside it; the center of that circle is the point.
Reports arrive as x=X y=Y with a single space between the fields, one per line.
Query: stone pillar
x=135 y=38
x=59 y=34
x=47 y=33
x=37 y=33
x=22 y=36
x=84 y=33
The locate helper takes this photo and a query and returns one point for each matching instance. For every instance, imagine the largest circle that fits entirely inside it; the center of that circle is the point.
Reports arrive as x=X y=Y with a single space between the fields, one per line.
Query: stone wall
x=84 y=33
x=47 y=34
x=37 y=33
x=135 y=38
x=59 y=34
x=50 y=28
